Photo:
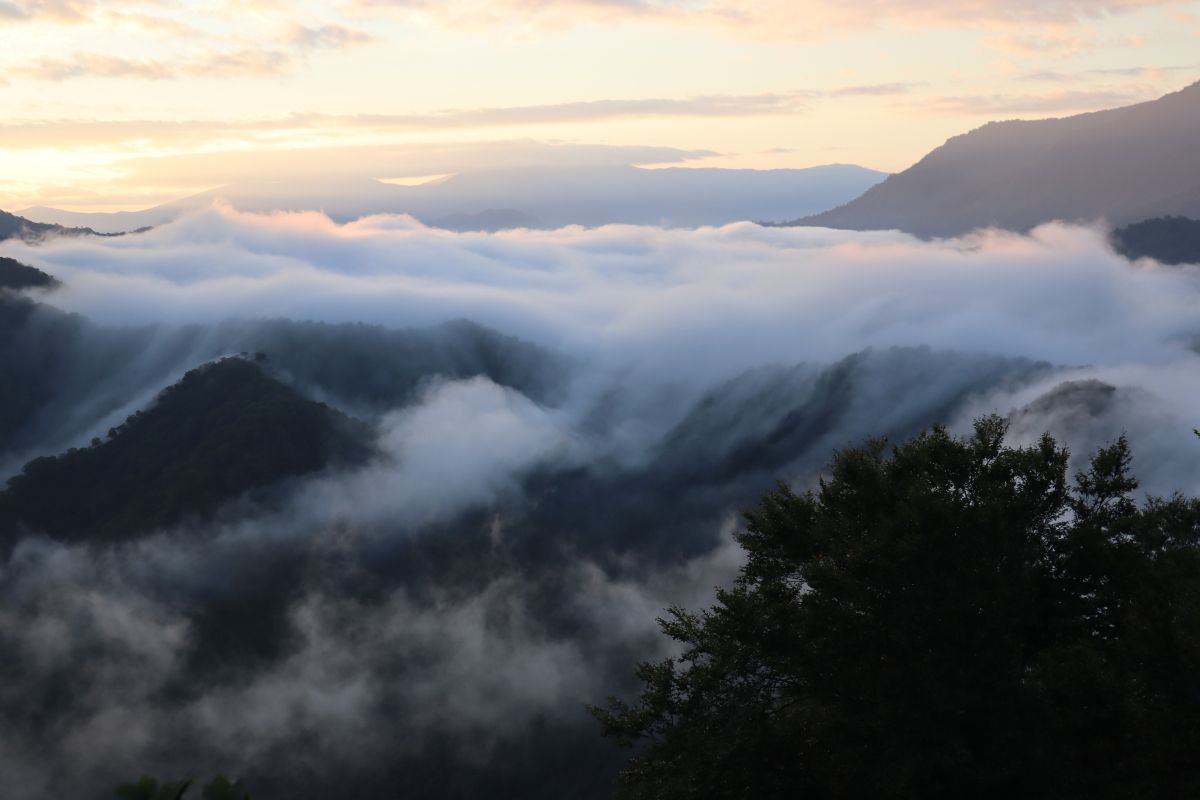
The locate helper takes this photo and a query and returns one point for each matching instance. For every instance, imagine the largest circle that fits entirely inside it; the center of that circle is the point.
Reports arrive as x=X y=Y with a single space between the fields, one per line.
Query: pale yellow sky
x=124 y=104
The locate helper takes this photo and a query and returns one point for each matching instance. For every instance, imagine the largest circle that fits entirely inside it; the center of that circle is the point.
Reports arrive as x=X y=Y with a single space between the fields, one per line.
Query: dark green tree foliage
x=15 y=275
x=224 y=429
x=1169 y=240
x=221 y=788
x=952 y=619
x=147 y=788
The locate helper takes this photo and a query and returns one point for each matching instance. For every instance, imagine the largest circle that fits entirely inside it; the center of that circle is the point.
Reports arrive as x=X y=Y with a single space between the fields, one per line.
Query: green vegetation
x=1168 y=240
x=224 y=429
x=147 y=788
x=15 y=275
x=954 y=618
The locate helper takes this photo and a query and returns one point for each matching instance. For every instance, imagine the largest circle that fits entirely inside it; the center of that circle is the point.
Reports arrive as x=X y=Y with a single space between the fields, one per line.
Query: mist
x=567 y=424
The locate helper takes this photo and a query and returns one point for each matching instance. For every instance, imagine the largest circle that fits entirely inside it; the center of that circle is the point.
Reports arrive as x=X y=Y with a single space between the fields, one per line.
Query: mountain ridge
x=225 y=428
x=1119 y=166
x=13 y=226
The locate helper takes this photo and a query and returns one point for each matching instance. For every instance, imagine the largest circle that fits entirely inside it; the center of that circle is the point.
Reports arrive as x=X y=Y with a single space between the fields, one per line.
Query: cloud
x=91 y=12
x=95 y=66
x=245 y=62
x=1056 y=44
x=388 y=161
x=391 y=251
x=1145 y=72
x=873 y=90
x=149 y=23
x=1064 y=101
x=331 y=36
x=61 y=10
x=773 y=19
x=439 y=616
x=77 y=132
x=145 y=181
x=602 y=295
x=436 y=463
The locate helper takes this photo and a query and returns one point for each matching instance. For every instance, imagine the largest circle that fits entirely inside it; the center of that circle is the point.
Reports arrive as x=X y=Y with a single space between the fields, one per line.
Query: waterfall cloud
x=550 y=475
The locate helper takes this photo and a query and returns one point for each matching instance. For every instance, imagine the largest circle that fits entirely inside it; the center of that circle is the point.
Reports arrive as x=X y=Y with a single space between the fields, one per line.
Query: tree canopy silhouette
x=15 y=275
x=954 y=617
x=148 y=788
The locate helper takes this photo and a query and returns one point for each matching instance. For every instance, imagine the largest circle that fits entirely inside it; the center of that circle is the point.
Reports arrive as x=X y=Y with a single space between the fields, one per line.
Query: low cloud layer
x=437 y=618
x=676 y=304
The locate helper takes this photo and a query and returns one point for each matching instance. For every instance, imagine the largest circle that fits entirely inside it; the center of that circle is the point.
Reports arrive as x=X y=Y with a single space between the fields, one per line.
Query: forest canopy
x=948 y=617
x=224 y=429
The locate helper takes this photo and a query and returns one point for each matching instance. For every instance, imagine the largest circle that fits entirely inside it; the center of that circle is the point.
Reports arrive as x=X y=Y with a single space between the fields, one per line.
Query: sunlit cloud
x=873 y=90
x=766 y=18
x=1055 y=43
x=334 y=37
x=280 y=76
x=73 y=133
x=1053 y=102
x=1153 y=73
x=222 y=64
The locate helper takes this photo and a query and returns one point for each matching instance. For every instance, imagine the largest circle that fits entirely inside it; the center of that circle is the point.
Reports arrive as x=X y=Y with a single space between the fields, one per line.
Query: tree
x=954 y=618
x=147 y=788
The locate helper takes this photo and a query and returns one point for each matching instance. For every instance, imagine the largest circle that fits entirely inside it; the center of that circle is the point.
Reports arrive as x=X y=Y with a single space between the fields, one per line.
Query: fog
x=551 y=475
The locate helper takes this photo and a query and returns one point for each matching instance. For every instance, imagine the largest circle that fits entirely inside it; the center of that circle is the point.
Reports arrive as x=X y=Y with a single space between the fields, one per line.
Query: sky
x=125 y=104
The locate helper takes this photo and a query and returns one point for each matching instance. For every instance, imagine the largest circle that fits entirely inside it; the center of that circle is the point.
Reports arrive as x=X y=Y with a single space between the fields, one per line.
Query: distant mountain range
x=533 y=197
x=1119 y=166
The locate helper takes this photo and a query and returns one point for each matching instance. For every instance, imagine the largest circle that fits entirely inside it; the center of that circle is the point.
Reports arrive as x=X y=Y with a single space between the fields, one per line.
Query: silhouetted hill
x=64 y=378
x=369 y=368
x=1169 y=240
x=224 y=429
x=14 y=227
x=15 y=275
x=1120 y=165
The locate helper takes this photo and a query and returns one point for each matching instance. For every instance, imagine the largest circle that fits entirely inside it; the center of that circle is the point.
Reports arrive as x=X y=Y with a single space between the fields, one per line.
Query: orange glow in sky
x=127 y=104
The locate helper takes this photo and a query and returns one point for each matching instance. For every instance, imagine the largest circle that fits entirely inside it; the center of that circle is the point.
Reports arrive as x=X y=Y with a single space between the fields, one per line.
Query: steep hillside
x=224 y=429
x=15 y=275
